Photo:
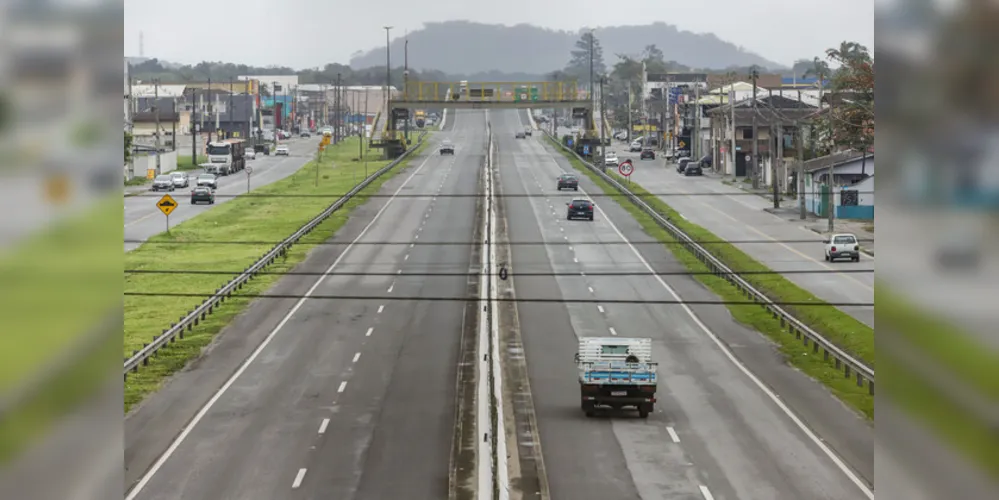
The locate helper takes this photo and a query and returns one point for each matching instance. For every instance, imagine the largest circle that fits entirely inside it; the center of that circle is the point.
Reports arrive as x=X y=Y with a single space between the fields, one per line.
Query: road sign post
x=167 y=205
x=249 y=170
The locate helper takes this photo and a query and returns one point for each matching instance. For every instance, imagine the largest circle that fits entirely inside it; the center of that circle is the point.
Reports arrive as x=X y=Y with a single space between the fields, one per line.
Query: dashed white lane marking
x=400 y=271
x=357 y=356
x=391 y=287
x=298 y=479
x=590 y=288
x=707 y=493
x=600 y=308
x=381 y=308
x=613 y=331
x=370 y=329
x=560 y=228
x=343 y=385
x=417 y=237
x=575 y=260
x=570 y=248
x=411 y=245
x=322 y=426
x=673 y=435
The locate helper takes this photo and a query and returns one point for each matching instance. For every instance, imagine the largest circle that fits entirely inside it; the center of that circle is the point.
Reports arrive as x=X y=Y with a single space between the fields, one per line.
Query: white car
x=842 y=245
x=281 y=150
x=179 y=179
x=636 y=145
x=611 y=159
x=251 y=154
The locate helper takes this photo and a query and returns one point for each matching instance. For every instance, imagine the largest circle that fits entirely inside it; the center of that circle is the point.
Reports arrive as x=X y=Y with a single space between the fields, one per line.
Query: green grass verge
x=956 y=350
x=750 y=315
x=246 y=219
x=185 y=162
x=138 y=181
x=58 y=285
x=975 y=439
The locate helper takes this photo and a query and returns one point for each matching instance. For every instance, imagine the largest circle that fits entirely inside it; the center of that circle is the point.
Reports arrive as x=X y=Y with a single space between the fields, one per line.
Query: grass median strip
x=838 y=327
x=241 y=219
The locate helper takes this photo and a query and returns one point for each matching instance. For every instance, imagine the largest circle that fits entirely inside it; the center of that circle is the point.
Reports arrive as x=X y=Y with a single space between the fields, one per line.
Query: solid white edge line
x=298 y=479
x=343 y=385
x=322 y=426
x=706 y=493
x=672 y=434
x=148 y=475
x=728 y=353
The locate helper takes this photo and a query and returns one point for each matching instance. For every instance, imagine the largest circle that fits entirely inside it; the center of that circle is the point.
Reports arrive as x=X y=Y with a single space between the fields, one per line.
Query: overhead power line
x=565 y=194
x=541 y=300
x=467 y=243
x=500 y=274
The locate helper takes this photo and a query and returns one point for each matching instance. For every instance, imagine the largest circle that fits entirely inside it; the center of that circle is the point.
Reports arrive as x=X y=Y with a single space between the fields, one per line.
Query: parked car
x=179 y=179
x=528 y=131
x=647 y=154
x=202 y=194
x=251 y=154
x=636 y=145
x=208 y=180
x=521 y=135
x=262 y=148
x=843 y=245
x=447 y=148
x=163 y=183
x=693 y=168
x=281 y=150
x=305 y=133
x=580 y=209
x=568 y=181
x=681 y=164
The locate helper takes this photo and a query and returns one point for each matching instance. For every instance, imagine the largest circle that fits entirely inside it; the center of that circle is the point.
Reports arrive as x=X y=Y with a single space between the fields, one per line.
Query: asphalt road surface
x=345 y=399
x=721 y=428
x=143 y=220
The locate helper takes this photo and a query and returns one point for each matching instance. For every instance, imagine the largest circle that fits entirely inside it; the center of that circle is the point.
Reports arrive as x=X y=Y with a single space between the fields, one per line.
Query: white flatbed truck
x=616 y=372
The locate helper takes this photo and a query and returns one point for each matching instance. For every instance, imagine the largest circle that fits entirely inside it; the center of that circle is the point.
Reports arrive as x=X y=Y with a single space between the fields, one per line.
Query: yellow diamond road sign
x=682 y=144
x=166 y=204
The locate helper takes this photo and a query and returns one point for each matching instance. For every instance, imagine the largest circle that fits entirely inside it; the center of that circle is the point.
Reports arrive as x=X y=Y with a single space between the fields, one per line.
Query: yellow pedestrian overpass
x=482 y=95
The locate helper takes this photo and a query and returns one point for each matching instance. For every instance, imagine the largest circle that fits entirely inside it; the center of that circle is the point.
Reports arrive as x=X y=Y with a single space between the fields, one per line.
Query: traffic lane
x=282 y=397
x=740 y=217
x=144 y=220
x=151 y=426
x=738 y=431
x=412 y=414
x=549 y=341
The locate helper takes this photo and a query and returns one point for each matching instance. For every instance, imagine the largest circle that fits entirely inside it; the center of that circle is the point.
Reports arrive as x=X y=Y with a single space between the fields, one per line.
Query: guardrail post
x=870 y=387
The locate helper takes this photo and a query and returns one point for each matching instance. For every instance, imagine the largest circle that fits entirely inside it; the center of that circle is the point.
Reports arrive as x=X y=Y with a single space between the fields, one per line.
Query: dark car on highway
x=202 y=194
x=528 y=131
x=647 y=154
x=163 y=182
x=693 y=168
x=580 y=209
x=521 y=135
x=568 y=181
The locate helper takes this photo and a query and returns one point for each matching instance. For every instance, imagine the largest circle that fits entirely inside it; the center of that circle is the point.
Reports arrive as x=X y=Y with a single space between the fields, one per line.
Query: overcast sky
x=309 y=33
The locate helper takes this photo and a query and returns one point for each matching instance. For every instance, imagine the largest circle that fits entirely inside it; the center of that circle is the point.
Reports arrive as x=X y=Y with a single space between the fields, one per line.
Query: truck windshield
x=218 y=150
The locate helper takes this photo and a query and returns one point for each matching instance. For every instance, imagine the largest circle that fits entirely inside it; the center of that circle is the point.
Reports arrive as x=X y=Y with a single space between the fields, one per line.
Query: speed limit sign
x=626 y=168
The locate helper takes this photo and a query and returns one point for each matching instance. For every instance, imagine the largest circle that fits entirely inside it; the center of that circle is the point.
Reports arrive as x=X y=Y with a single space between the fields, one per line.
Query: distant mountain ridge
x=464 y=47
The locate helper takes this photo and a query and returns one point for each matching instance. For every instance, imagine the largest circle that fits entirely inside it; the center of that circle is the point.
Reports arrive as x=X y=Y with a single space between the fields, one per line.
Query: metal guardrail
x=850 y=366
x=198 y=314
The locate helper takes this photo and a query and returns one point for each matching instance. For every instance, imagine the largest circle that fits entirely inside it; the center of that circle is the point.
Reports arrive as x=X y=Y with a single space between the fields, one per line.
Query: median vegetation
x=197 y=245
x=841 y=329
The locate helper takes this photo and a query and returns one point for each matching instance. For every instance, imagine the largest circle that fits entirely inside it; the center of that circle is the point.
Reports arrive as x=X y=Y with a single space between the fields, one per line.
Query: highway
x=143 y=220
x=346 y=399
x=723 y=426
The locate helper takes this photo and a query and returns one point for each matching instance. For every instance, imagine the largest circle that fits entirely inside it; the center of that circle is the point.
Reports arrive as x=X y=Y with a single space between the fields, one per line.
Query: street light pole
x=388 y=70
x=405 y=84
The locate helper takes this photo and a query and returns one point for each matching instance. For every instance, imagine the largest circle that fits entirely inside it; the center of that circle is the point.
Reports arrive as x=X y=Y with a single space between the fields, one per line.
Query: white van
x=636 y=145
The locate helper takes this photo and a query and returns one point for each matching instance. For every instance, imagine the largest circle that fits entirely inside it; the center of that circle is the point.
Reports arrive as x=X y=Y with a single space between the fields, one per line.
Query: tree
x=852 y=91
x=128 y=146
x=579 y=63
x=655 y=60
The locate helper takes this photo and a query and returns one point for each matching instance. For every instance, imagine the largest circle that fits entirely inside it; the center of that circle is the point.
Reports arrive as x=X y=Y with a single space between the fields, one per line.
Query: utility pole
x=405 y=85
x=630 y=104
x=832 y=196
x=756 y=152
x=800 y=135
x=697 y=123
x=209 y=106
x=735 y=157
x=131 y=123
x=194 y=126
x=228 y=133
x=337 y=111
x=603 y=147
x=156 y=113
x=388 y=71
